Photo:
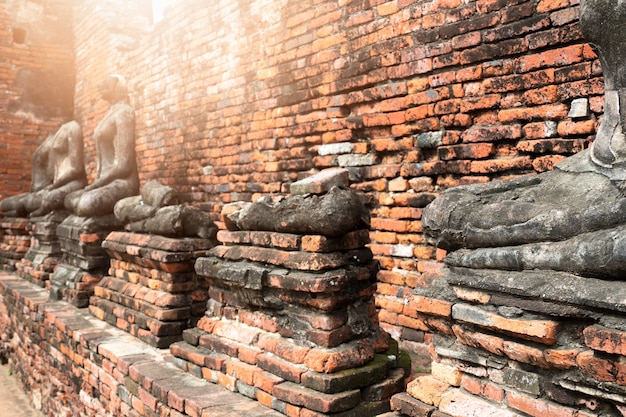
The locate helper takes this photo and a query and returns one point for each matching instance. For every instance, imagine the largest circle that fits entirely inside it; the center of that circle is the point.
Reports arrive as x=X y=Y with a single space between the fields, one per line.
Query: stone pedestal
x=44 y=254
x=15 y=241
x=151 y=290
x=513 y=344
x=84 y=262
x=291 y=322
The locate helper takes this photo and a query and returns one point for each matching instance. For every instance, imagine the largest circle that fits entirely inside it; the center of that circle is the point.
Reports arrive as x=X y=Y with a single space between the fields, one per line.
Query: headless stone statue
x=41 y=177
x=117 y=176
x=58 y=169
x=66 y=153
x=572 y=219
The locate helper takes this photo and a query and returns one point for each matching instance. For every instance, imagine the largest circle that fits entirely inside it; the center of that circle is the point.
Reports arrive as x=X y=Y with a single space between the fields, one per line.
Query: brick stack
x=514 y=344
x=291 y=322
x=72 y=364
x=15 y=241
x=44 y=254
x=151 y=290
x=84 y=262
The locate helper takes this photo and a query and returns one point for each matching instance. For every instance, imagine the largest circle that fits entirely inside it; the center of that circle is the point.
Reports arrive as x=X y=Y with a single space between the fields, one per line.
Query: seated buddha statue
x=58 y=169
x=571 y=219
x=116 y=176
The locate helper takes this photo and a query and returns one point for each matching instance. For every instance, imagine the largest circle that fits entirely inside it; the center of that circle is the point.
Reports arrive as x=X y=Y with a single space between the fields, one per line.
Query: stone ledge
x=136 y=375
x=550 y=286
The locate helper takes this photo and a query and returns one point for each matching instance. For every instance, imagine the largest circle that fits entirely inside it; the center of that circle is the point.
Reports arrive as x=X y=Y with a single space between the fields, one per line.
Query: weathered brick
x=456 y=402
x=603 y=339
x=542 y=331
x=427 y=389
x=314 y=400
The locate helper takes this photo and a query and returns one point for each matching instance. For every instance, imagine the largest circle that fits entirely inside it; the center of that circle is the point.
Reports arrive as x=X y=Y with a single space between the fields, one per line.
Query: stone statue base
x=297 y=306
x=543 y=338
x=44 y=253
x=14 y=241
x=84 y=262
x=151 y=290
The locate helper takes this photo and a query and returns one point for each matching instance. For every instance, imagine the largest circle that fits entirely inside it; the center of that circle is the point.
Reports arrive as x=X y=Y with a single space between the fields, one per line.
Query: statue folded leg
x=99 y=201
x=45 y=201
x=548 y=207
x=600 y=254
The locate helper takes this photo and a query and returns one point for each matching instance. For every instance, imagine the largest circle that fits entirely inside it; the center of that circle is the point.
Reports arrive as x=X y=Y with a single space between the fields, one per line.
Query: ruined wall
x=36 y=83
x=236 y=100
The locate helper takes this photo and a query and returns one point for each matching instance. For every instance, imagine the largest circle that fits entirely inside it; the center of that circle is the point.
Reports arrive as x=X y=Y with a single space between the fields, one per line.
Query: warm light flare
x=157 y=8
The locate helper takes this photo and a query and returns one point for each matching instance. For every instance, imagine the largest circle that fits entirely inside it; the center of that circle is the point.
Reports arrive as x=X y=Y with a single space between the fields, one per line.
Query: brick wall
x=238 y=99
x=71 y=364
x=36 y=83
x=413 y=97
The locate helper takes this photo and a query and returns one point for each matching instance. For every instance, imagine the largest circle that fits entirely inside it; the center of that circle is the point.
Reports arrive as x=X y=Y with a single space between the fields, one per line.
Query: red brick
x=542 y=331
x=562 y=358
x=427 y=389
x=429 y=306
x=537 y=407
x=604 y=339
x=242 y=371
x=280 y=367
x=350 y=355
x=490 y=343
x=325 y=403
x=526 y=354
x=283 y=348
x=457 y=403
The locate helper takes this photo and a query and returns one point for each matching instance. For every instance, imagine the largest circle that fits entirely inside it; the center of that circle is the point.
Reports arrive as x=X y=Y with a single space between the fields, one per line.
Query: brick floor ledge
x=75 y=364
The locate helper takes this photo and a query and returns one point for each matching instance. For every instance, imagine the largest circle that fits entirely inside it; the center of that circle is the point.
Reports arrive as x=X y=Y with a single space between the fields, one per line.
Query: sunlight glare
x=157 y=8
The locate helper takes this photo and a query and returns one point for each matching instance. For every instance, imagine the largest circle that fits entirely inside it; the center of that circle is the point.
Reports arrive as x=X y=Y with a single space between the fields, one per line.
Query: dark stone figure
x=42 y=174
x=58 y=169
x=116 y=176
x=572 y=219
x=156 y=211
x=66 y=154
x=601 y=23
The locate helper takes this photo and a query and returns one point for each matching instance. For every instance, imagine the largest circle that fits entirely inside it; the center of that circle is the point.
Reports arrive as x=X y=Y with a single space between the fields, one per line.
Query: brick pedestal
x=44 y=254
x=84 y=262
x=151 y=290
x=15 y=241
x=513 y=344
x=291 y=322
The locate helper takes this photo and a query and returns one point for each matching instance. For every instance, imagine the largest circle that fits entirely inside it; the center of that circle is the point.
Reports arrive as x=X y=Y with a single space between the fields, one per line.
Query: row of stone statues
x=59 y=180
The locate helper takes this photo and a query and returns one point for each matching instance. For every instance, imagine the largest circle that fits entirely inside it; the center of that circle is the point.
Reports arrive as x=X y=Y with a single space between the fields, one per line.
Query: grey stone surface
x=321 y=182
x=357 y=160
x=335 y=148
x=117 y=175
x=551 y=286
x=548 y=207
x=602 y=24
x=528 y=382
x=58 y=169
x=333 y=214
x=579 y=108
x=429 y=140
x=570 y=219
